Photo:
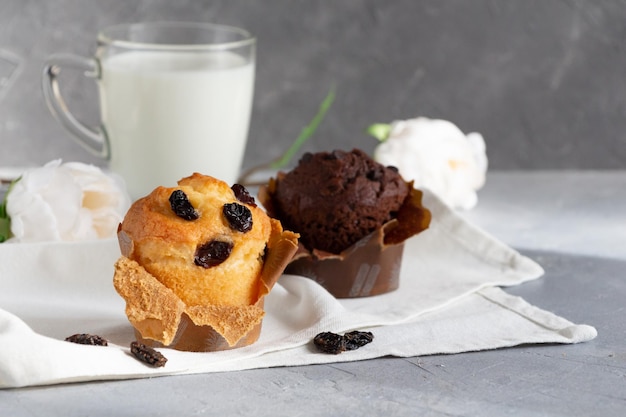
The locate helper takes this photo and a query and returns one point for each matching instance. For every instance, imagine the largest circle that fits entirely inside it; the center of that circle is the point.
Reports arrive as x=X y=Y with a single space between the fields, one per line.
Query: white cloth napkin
x=448 y=302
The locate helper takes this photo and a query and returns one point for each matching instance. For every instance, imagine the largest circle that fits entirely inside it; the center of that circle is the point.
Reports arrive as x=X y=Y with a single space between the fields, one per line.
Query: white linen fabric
x=449 y=293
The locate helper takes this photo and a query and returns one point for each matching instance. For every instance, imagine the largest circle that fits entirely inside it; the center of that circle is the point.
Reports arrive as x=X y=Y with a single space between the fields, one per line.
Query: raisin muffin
x=197 y=261
x=353 y=216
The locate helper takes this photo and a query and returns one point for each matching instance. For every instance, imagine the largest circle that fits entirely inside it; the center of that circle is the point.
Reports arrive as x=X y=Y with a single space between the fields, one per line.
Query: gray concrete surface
x=538 y=212
x=543 y=80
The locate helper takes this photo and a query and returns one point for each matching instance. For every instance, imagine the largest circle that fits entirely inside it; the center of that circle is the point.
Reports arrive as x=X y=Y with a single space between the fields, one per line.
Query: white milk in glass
x=175 y=113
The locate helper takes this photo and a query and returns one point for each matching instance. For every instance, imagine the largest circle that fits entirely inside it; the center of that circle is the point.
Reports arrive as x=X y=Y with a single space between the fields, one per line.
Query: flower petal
x=72 y=201
x=437 y=155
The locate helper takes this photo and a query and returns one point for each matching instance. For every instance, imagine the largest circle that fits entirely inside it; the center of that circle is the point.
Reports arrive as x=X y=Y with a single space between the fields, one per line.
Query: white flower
x=66 y=202
x=437 y=155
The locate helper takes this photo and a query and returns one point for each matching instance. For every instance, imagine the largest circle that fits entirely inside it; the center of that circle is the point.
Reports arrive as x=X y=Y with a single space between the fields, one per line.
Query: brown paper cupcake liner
x=370 y=266
x=194 y=338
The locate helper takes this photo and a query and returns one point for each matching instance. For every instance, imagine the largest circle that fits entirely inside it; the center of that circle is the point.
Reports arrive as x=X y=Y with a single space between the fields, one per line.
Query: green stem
x=304 y=135
x=380 y=131
x=306 y=132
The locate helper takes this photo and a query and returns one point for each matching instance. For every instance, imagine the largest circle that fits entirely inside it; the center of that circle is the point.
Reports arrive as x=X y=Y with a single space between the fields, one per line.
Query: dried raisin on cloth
x=334 y=343
x=87 y=339
x=329 y=342
x=356 y=339
x=147 y=354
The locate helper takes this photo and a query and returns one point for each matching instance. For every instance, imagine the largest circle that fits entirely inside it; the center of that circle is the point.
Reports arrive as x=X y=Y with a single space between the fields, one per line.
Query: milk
x=170 y=114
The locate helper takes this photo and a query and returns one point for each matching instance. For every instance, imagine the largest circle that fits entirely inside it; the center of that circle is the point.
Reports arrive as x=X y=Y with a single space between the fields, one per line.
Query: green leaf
x=5 y=228
x=5 y=221
x=306 y=132
x=380 y=131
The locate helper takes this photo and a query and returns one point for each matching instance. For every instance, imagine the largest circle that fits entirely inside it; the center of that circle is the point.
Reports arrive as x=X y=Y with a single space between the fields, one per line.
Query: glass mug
x=175 y=98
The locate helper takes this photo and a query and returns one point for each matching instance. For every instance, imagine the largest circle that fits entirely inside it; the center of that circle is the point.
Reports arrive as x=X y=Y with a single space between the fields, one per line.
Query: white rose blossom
x=437 y=155
x=66 y=202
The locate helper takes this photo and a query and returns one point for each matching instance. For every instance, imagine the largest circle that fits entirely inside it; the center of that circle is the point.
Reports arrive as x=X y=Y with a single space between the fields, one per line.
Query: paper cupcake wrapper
x=365 y=269
x=194 y=338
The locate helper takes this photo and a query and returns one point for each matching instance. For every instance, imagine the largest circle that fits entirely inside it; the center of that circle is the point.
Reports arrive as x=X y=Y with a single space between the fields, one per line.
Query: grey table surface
x=572 y=223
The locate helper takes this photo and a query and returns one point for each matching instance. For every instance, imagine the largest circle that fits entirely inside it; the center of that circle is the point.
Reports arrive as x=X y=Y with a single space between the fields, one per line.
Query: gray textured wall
x=543 y=80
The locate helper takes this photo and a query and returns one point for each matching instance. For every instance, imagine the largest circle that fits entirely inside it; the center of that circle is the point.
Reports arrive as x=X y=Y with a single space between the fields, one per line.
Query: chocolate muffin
x=333 y=199
x=353 y=216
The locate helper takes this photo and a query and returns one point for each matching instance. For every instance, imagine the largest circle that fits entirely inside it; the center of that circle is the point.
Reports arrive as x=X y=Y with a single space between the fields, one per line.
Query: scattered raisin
x=356 y=339
x=212 y=253
x=243 y=195
x=181 y=206
x=239 y=217
x=334 y=343
x=329 y=342
x=87 y=339
x=147 y=354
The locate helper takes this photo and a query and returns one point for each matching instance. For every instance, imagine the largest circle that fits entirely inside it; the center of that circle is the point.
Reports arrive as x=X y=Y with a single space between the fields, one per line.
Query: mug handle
x=93 y=139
